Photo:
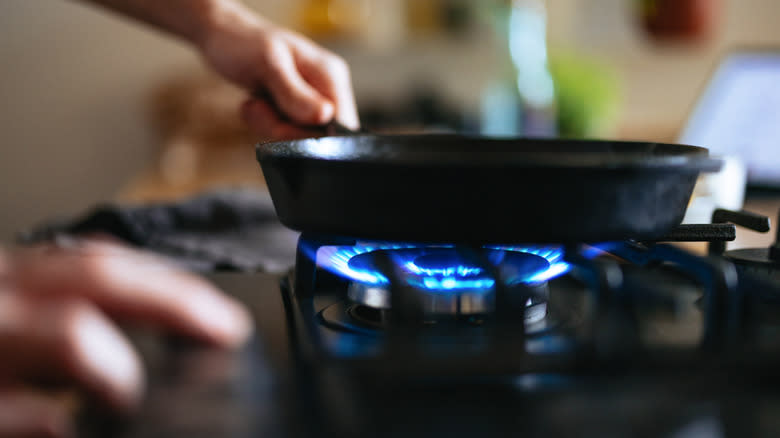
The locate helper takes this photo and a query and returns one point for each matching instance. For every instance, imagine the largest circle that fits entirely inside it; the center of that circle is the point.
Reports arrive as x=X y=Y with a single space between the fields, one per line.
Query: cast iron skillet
x=457 y=189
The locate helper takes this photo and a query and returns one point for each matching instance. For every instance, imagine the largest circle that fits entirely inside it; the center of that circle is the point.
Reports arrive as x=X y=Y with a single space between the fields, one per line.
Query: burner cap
x=444 y=279
x=449 y=269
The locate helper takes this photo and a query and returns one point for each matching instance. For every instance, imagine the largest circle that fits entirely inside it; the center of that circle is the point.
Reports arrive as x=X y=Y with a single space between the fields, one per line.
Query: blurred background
x=98 y=108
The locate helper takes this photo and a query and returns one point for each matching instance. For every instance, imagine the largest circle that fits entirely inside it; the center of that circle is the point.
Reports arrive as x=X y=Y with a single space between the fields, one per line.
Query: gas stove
x=368 y=338
x=610 y=339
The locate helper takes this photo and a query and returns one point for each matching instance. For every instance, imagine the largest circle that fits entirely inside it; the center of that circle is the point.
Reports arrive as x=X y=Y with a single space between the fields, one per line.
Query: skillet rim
x=548 y=153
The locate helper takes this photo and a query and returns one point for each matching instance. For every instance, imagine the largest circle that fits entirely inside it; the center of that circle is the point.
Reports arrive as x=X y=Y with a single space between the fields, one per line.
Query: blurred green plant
x=587 y=90
x=588 y=95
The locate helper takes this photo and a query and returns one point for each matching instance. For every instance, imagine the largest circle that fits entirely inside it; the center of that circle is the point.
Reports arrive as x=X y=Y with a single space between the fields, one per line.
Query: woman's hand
x=58 y=307
x=309 y=85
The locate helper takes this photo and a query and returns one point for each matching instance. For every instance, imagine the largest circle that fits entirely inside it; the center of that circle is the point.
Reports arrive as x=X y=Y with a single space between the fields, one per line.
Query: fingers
x=129 y=285
x=330 y=75
x=299 y=101
x=25 y=414
x=309 y=85
x=52 y=325
x=264 y=123
x=68 y=339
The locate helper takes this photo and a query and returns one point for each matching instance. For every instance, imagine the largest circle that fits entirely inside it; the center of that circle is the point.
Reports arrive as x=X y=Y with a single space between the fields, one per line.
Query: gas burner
x=359 y=318
x=456 y=302
x=444 y=279
x=443 y=267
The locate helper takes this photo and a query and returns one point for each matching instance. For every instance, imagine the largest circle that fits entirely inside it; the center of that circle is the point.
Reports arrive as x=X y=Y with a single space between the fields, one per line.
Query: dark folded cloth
x=223 y=230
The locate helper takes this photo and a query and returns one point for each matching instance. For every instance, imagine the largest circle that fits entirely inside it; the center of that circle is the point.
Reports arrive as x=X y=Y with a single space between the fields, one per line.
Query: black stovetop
x=643 y=339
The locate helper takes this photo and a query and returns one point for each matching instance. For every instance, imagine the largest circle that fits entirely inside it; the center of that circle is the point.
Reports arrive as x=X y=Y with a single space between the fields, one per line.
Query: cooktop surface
x=394 y=339
x=262 y=390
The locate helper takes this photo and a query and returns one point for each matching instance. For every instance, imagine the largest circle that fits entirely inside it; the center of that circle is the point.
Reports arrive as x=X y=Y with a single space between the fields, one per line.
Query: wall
x=661 y=82
x=73 y=88
x=71 y=124
x=74 y=81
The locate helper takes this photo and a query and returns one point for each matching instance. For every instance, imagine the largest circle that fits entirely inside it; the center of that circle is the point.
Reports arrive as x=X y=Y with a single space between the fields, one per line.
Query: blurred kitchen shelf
x=648 y=131
x=219 y=167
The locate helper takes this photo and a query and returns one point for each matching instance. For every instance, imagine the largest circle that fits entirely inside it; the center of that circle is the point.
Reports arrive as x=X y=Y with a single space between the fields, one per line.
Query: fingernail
x=327 y=111
x=227 y=322
x=108 y=356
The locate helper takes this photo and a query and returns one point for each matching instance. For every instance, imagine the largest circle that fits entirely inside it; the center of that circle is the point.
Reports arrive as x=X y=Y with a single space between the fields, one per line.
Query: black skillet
x=458 y=189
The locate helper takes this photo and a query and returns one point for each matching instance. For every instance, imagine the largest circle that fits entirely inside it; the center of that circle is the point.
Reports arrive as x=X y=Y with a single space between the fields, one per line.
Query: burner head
x=444 y=279
x=449 y=269
x=755 y=260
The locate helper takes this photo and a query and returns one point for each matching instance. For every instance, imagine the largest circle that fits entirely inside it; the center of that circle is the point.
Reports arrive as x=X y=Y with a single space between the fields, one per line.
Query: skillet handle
x=332 y=128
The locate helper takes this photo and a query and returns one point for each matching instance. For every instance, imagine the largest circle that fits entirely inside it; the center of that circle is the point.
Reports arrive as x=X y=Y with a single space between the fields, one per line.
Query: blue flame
x=449 y=271
x=449 y=284
x=593 y=251
x=336 y=259
x=553 y=254
x=439 y=278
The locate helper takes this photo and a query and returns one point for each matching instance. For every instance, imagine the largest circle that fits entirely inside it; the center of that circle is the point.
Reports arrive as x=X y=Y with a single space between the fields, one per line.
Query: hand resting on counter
x=59 y=305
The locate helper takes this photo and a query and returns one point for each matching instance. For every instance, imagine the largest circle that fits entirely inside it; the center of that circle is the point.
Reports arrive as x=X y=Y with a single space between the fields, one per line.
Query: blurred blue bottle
x=520 y=101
